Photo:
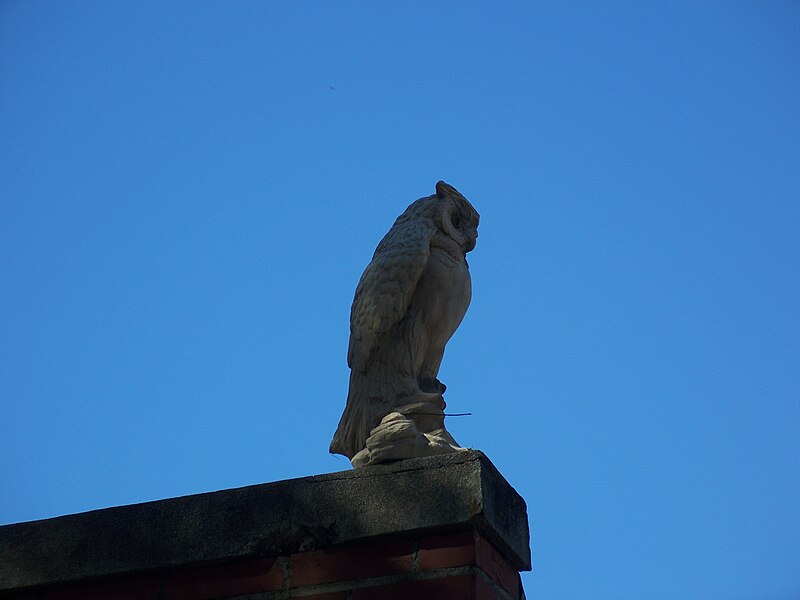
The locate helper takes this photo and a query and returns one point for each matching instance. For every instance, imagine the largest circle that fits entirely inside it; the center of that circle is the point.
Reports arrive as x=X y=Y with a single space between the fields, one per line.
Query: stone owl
x=410 y=300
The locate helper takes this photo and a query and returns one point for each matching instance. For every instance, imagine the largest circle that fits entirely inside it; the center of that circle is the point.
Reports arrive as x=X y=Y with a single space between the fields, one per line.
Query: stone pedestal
x=439 y=527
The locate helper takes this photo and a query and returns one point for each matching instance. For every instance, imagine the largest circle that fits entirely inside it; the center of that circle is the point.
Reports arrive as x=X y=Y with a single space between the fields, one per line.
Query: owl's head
x=456 y=216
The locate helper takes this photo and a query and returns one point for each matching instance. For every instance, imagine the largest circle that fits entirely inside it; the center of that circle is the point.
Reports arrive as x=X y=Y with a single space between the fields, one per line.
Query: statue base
x=411 y=431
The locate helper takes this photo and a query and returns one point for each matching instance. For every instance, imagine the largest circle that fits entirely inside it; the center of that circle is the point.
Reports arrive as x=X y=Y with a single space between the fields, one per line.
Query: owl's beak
x=471 y=242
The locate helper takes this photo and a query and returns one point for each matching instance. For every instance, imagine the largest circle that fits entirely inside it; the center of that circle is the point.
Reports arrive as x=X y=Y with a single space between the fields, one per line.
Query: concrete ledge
x=406 y=499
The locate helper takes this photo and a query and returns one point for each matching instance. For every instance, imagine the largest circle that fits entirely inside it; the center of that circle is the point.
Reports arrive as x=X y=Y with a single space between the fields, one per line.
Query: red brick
x=443 y=551
x=455 y=587
x=141 y=587
x=485 y=590
x=496 y=567
x=343 y=564
x=205 y=583
x=22 y=596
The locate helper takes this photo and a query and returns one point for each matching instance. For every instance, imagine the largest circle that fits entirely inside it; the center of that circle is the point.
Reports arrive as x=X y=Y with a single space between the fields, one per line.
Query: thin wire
x=439 y=414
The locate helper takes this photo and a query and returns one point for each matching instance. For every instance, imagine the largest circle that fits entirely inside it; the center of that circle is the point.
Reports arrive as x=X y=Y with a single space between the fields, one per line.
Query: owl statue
x=408 y=303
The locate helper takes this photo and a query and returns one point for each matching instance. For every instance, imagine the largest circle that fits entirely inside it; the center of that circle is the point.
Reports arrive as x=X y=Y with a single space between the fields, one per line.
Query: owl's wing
x=387 y=285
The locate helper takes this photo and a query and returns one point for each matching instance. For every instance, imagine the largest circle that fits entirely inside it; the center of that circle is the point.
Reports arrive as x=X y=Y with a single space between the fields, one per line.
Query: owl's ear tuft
x=445 y=189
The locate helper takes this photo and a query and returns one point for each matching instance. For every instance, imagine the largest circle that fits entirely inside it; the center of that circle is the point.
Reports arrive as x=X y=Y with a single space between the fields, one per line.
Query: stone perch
x=447 y=526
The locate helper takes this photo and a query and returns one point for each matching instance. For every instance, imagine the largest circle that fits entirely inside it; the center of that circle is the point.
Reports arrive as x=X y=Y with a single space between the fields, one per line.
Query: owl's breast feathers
x=442 y=298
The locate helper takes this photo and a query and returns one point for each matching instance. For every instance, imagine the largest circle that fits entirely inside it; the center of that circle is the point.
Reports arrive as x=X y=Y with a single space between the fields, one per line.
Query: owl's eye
x=455 y=219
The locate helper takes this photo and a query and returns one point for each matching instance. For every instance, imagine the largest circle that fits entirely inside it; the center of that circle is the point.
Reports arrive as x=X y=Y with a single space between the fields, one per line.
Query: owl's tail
x=354 y=427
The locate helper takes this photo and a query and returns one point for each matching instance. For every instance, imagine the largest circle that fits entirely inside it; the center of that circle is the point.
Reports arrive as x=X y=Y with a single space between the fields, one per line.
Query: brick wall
x=438 y=527
x=457 y=565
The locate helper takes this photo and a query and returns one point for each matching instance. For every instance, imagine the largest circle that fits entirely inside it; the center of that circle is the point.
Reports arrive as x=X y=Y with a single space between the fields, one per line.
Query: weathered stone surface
x=441 y=493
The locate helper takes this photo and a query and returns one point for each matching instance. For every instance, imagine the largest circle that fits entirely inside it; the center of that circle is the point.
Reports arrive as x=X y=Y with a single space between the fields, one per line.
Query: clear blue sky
x=190 y=191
